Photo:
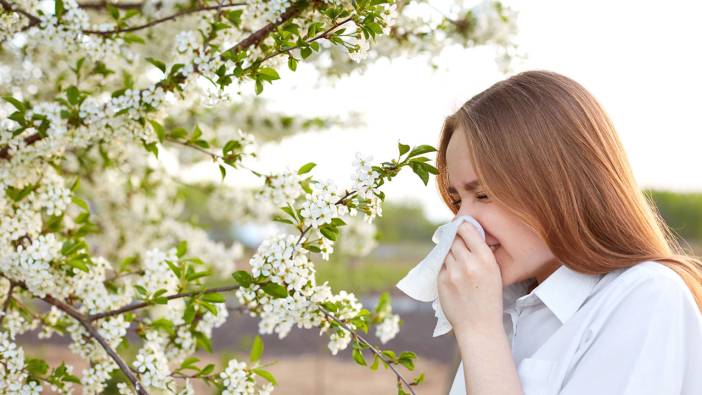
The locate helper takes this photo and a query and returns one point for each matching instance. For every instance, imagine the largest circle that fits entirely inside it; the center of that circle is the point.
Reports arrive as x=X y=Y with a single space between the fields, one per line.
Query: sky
x=641 y=60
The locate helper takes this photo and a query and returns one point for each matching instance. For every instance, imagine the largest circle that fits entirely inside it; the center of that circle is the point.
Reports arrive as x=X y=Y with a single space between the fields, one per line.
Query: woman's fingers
x=473 y=241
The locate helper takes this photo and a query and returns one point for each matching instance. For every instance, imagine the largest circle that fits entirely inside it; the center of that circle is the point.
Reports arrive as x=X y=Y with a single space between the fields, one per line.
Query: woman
x=579 y=287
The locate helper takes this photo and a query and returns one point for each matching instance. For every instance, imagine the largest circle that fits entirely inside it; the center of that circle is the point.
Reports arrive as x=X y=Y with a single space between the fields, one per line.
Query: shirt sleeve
x=650 y=343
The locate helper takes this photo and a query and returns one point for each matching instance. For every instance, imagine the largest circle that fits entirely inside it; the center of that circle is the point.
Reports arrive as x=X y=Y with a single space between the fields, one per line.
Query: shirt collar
x=563 y=292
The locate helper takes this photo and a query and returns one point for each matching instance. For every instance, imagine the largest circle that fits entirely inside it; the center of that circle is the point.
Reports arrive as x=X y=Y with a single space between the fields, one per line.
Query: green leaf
x=80 y=202
x=283 y=220
x=196 y=275
x=275 y=290
x=376 y=359
x=311 y=247
x=213 y=298
x=403 y=148
x=73 y=95
x=175 y=269
x=201 y=143
x=206 y=370
x=222 y=171
x=330 y=232
x=114 y=11
x=292 y=63
x=429 y=168
x=161 y=66
x=256 y=349
x=132 y=38
x=182 y=248
x=243 y=278
x=265 y=374
x=208 y=306
x=178 y=133
x=18 y=104
x=337 y=222
x=422 y=149
x=204 y=342
x=187 y=364
x=231 y=146
x=165 y=324
x=358 y=357
x=420 y=171
x=36 y=367
x=152 y=147
x=78 y=264
x=418 y=379
x=58 y=9
x=75 y=184
x=141 y=290
x=234 y=17
x=306 y=168
x=406 y=358
x=389 y=354
x=189 y=313
x=268 y=74
x=158 y=128
x=161 y=300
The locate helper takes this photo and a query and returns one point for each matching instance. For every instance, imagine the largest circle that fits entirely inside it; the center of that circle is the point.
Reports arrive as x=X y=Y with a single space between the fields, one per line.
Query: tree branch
x=321 y=35
x=139 y=305
x=261 y=33
x=97 y=5
x=6 y=304
x=80 y=317
x=7 y=6
x=29 y=140
x=164 y=19
x=375 y=351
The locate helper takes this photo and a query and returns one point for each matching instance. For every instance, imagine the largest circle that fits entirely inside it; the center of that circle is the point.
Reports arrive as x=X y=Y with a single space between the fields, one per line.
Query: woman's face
x=520 y=252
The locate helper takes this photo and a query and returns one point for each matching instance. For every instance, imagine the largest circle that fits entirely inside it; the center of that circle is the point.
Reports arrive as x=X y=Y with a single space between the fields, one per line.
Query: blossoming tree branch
x=106 y=104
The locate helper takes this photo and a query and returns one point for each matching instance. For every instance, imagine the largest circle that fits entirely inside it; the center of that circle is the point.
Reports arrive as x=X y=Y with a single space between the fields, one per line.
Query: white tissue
x=420 y=283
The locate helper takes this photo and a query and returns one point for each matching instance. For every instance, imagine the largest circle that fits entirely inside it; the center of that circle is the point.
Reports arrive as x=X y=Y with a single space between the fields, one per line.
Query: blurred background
x=639 y=59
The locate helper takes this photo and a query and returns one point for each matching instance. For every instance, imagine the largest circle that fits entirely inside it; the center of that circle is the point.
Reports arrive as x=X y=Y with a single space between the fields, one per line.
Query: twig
x=161 y=20
x=29 y=140
x=33 y=20
x=96 y=5
x=321 y=35
x=139 y=305
x=261 y=33
x=6 y=304
x=378 y=353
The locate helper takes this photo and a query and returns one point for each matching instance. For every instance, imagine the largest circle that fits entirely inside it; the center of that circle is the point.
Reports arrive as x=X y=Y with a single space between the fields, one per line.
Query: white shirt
x=632 y=331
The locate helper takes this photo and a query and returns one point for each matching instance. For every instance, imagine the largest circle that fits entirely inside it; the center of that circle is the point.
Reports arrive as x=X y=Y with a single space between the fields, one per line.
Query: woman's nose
x=467 y=209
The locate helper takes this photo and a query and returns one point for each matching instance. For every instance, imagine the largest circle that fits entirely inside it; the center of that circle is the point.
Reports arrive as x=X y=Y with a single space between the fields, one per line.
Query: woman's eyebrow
x=468 y=186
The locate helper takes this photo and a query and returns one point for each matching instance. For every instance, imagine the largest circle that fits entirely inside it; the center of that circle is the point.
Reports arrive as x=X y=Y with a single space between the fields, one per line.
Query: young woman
x=579 y=287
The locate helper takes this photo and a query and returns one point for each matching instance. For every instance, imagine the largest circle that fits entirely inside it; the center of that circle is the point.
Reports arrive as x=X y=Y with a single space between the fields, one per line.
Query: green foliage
x=681 y=211
x=404 y=222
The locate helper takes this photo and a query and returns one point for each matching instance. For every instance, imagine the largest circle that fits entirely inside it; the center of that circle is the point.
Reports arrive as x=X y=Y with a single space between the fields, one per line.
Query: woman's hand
x=470 y=284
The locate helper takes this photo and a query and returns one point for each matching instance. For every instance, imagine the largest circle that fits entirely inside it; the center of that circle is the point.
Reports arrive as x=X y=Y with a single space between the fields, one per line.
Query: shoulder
x=649 y=287
x=648 y=276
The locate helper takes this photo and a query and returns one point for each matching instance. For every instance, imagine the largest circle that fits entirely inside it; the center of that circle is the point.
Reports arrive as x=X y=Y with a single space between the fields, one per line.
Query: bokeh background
x=639 y=59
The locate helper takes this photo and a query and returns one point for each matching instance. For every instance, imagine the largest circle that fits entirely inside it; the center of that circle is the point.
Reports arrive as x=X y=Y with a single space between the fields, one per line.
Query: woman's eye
x=481 y=196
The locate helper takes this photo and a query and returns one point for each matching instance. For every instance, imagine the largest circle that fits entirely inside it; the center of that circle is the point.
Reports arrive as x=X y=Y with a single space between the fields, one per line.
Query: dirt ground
x=309 y=374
